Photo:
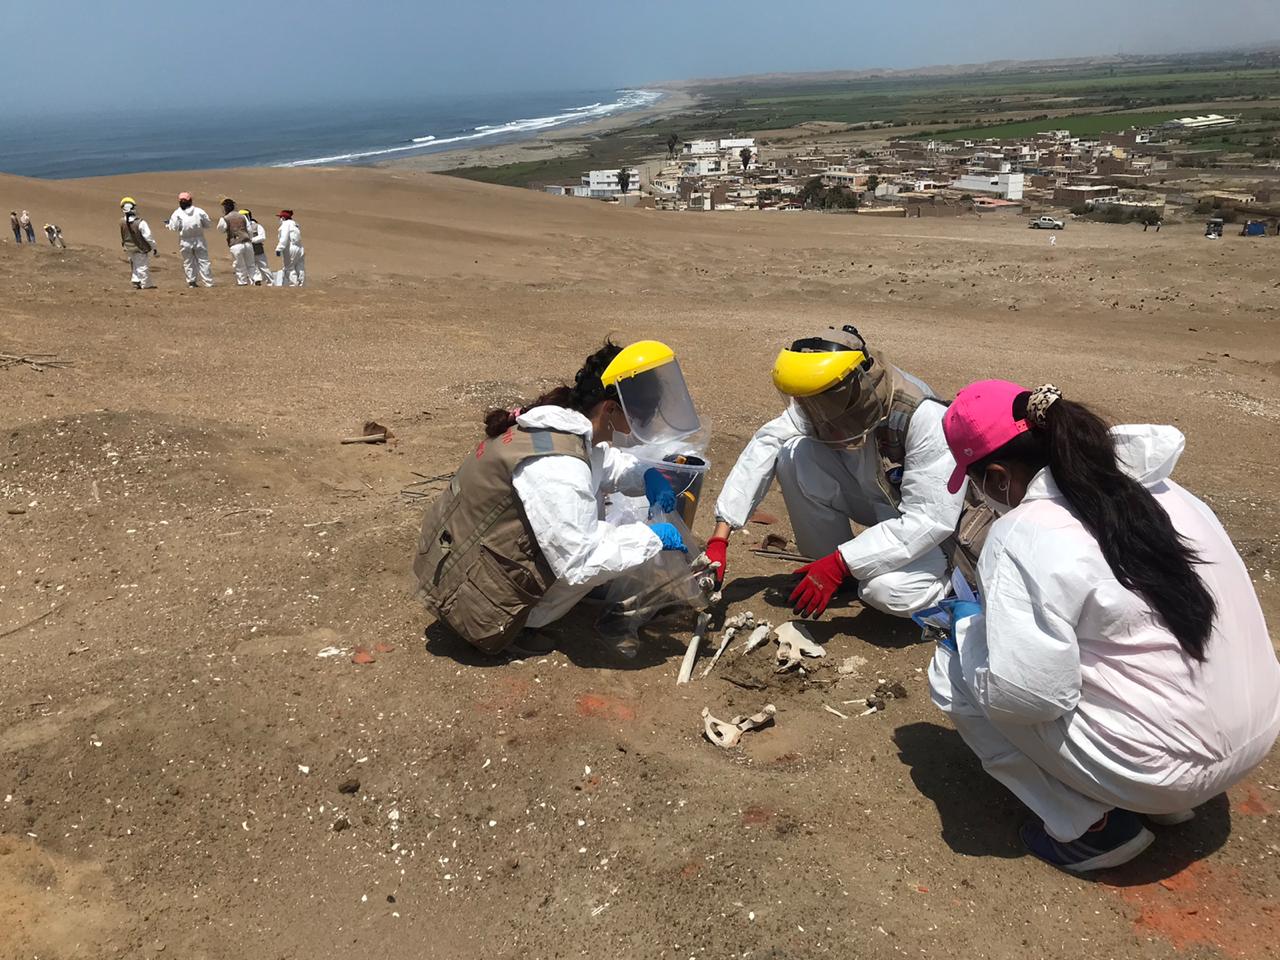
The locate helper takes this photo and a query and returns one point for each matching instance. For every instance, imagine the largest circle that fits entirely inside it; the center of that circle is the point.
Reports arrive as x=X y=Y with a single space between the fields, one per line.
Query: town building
x=1006 y=185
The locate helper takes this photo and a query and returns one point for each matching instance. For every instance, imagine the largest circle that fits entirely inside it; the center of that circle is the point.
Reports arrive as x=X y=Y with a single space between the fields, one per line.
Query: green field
x=1080 y=125
x=978 y=98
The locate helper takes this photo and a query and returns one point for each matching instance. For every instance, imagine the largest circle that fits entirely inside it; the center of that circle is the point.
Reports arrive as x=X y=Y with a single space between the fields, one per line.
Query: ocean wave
x=629 y=100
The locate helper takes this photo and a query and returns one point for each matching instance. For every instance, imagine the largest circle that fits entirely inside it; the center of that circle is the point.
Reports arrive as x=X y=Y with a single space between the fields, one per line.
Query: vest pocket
x=491 y=603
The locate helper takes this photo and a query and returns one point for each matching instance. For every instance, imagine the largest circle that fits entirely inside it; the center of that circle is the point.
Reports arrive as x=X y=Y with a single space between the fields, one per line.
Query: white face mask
x=998 y=507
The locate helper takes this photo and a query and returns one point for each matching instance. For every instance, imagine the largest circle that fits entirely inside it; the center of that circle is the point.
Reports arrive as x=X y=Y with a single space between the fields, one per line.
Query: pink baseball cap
x=979 y=422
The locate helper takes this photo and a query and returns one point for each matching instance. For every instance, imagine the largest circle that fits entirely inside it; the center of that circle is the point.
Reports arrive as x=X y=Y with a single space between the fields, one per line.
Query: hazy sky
x=68 y=55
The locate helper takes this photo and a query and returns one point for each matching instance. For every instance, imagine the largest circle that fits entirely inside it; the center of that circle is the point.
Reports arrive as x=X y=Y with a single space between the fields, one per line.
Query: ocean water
x=101 y=144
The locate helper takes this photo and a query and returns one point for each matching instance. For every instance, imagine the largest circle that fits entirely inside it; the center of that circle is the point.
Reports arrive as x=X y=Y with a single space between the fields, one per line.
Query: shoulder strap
x=908 y=395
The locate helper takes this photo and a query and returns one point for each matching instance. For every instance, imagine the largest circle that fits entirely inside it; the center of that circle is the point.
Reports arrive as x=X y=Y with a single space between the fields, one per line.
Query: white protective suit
x=562 y=499
x=897 y=559
x=289 y=246
x=1072 y=691
x=140 y=263
x=242 y=262
x=190 y=225
x=260 y=264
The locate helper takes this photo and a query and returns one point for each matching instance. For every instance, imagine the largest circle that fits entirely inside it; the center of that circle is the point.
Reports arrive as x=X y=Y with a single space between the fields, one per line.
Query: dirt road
x=186 y=772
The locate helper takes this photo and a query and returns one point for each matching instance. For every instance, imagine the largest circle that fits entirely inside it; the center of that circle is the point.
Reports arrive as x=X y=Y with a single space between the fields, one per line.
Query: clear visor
x=657 y=404
x=838 y=416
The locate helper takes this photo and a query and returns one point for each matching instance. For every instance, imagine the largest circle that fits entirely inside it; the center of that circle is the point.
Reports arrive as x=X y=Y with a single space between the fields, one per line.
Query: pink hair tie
x=515 y=411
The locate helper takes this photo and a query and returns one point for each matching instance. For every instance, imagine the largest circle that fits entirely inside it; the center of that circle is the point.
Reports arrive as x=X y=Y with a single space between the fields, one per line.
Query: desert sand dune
x=172 y=746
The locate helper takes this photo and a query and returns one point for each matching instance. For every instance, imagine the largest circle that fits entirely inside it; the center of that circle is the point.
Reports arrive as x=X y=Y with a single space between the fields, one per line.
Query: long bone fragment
x=691 y=652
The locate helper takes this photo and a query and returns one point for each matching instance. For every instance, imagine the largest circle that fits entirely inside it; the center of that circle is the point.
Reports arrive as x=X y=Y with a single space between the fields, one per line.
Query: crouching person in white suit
x=860 y=440
x=519 y=537
x=1120 y=666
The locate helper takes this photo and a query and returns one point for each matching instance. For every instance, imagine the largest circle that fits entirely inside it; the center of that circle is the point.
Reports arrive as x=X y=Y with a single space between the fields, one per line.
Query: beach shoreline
x=552 y=144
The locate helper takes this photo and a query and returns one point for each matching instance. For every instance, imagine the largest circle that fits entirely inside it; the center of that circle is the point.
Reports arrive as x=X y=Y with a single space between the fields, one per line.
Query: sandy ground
x=562 y=142
x=182 y=535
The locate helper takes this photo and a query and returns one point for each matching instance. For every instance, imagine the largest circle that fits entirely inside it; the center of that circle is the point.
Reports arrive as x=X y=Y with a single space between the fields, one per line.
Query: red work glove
x=717 y=548
x=822 y=579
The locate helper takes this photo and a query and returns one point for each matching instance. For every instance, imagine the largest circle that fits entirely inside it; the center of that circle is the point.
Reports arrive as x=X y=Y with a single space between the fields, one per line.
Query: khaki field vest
x=237 y=229
x=479 y=568
x=131 y=237
x=906 y=394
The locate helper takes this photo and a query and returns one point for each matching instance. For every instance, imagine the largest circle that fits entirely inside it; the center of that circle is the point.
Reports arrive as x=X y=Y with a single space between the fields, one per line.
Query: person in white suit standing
x=189 y=222
x=289 y=246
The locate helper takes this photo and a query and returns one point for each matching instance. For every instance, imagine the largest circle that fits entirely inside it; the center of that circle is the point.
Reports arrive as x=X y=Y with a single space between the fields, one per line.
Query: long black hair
x=1146 y=554
x=587 y=391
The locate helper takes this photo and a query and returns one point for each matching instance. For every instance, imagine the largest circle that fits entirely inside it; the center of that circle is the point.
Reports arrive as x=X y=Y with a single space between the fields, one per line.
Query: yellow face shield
x=832 y=384
x=652 y=392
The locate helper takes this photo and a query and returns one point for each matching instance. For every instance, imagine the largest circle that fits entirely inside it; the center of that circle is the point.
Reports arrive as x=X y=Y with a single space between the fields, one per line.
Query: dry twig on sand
x=418 y=489
x=30 y=623
x=36 y=361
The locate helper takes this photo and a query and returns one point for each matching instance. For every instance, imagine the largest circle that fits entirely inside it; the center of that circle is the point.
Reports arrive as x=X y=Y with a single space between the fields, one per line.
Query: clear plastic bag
x=672 y=583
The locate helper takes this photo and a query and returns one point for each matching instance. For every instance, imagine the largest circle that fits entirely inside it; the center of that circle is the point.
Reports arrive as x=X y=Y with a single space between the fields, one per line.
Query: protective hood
x=1147 y=452
x=550 y=417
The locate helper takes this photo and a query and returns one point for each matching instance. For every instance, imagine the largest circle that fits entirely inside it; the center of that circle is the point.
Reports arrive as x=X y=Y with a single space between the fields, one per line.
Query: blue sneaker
x=1115 y=839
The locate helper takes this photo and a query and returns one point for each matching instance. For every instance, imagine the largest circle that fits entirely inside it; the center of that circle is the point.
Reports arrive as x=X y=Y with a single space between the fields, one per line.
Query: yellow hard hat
x=244 y=212
x=816 y=364
x=124 y=200
x=639 y=357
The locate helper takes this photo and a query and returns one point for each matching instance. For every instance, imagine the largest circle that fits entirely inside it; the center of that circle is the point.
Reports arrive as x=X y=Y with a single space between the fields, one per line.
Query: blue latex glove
x=657 y=490
x=670 y=537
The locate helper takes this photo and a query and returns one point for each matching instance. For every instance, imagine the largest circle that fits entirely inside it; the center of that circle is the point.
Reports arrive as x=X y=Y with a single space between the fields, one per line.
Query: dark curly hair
x=587 y=391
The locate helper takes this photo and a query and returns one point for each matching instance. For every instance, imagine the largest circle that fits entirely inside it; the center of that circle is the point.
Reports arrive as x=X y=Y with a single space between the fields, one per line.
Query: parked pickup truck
x=1046 y=223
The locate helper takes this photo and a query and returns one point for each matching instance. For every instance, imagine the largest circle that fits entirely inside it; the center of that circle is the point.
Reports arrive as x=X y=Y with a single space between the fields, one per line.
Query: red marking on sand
x=922 y=889
x=755 y=816
x=1252 y=803
x=604 y=707
x=382 y=647
x=1208 y=906
x=690 y=870
x=362 y=656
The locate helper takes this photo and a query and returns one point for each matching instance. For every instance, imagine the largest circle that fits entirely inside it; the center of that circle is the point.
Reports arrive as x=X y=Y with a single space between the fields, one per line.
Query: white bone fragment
x=759 y=637
x=724 y=642
x=691 y=652
x=794 y=644
x=829 y=709
x=727 y=735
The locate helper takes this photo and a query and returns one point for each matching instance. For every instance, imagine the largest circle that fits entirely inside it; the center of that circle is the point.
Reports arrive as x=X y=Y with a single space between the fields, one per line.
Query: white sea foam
x=629 y=100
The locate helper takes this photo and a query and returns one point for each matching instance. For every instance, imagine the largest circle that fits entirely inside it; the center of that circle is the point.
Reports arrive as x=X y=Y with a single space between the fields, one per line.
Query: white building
x=700 y=148
x=704 y=166
x=1006 y=185
x=599 y=185
x=1203 y=122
